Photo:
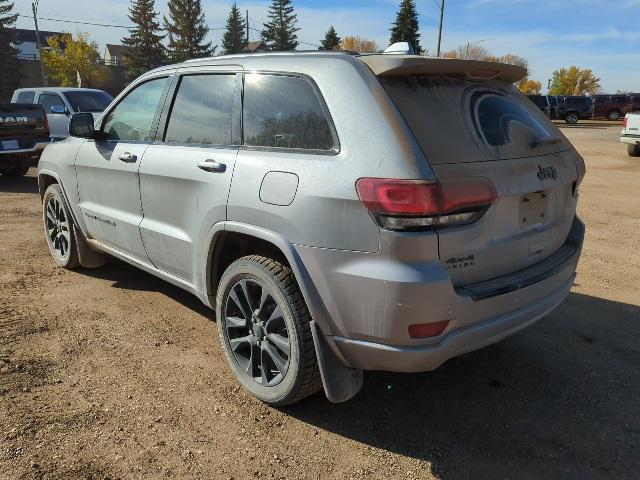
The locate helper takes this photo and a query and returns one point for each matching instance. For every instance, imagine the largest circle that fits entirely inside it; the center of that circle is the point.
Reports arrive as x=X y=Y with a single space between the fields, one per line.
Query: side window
x=48 y=100
x=25 y=97
x=201 y=111
x=285 y=112
x=132 y=119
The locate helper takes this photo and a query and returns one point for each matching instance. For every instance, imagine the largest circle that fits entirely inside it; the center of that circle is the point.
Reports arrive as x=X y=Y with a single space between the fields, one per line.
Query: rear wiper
x=545 y=141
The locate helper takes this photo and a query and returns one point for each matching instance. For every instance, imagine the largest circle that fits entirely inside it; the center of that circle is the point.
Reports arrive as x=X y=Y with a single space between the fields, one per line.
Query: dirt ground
x=112 y=373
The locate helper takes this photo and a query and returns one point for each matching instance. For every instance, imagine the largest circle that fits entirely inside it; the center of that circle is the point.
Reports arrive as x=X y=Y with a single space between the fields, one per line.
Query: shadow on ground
x=566 y=389
x=125 y=276
x=26 y=184
x=559 y=400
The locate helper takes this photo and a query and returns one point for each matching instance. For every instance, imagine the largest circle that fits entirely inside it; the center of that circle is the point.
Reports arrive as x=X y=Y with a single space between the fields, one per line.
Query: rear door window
x=284 y=112
x=202 y=110
x=25 y=97
x=456 y=120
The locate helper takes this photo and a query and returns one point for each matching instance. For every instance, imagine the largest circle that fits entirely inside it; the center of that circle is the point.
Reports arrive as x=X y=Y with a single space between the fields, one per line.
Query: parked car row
x=567 y=108
x=571 y=109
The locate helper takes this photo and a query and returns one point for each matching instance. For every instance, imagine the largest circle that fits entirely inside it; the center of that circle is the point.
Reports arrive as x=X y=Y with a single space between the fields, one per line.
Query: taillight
x=420 y=204
x=46 y=121
x=624 y=122
x=582 y=171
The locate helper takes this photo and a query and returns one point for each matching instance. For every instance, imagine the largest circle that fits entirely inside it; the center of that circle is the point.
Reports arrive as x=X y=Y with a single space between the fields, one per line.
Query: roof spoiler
x=390 y=65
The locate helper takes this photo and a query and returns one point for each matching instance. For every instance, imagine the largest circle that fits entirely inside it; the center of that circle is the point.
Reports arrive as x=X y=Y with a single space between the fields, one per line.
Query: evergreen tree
x=406 y=28
x=234 y=39
x=144 y=45
x=187 y=31
x=280 y=31
x=331 y=40
x=11 y=72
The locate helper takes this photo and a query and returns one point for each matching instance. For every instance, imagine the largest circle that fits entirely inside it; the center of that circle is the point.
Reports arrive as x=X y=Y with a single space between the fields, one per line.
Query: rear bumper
x=372 y=302
x=630 y=139
x=376 y=356
x=37 y=147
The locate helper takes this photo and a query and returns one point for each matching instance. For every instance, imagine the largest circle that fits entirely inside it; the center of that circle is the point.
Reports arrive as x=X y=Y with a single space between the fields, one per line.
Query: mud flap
x=88 y=257
x=340 y=383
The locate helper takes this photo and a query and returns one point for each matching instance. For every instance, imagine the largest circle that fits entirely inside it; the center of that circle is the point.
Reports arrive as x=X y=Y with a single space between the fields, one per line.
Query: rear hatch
x=21 y=126
x=485 y=128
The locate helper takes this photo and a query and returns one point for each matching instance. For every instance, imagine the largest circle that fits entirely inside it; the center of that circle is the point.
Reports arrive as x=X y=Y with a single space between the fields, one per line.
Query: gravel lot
x=111 y=373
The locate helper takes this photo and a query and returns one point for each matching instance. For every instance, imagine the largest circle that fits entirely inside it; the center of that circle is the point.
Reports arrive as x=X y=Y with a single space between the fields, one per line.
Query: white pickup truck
x=631 y=134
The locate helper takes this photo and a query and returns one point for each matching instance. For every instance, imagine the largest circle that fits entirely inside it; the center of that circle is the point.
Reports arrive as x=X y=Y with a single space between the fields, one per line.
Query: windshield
x=456 y=120
x=90 y=101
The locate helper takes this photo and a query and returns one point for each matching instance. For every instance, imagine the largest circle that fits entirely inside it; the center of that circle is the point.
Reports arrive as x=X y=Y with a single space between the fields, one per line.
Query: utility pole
x=34 y=8
x=247 y=22
x=441 y=22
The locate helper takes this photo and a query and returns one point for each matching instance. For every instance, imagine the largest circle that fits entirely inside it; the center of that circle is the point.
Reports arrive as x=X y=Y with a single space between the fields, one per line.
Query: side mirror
x=59 y=109
x=81 y=125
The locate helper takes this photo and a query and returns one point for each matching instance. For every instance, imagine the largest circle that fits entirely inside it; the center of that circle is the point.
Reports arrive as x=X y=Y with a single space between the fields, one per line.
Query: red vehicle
x=615 y=107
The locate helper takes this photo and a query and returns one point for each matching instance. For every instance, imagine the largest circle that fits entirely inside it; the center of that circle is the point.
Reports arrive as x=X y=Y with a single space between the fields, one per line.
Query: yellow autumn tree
x=71 y=59
x=530 y=87
x=354 y=43
x=574 y=81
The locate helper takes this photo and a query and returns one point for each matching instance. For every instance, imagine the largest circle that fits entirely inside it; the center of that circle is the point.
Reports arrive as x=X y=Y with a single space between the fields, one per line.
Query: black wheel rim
x=57 y=226
x=256 y=332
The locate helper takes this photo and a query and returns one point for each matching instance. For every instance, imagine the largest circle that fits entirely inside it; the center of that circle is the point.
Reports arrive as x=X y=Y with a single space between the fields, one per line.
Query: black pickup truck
x=24 y=133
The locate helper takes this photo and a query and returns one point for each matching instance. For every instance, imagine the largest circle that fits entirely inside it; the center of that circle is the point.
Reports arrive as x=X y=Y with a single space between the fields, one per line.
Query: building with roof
x=114 y=54
x=27 y=44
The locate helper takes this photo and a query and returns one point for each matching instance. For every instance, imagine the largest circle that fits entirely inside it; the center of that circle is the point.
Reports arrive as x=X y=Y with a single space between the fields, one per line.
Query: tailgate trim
x=532 y=274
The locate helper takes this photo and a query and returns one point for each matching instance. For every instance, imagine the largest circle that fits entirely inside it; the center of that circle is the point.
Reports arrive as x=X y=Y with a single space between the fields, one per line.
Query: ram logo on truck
x=14 y=120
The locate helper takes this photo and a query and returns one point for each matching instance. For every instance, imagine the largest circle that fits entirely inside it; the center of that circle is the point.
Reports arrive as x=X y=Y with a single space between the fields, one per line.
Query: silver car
x=340 y=212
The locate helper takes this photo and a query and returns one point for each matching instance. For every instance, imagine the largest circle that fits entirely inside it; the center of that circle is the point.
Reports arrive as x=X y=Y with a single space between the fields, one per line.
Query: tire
x=571 y=118
x=256 y=338
x=614 y=115
x=58 y=228
x=633 y=150
x=17 y=168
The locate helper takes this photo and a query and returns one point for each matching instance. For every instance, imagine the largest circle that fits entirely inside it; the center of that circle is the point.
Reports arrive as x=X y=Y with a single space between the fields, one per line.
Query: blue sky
x=599 y=34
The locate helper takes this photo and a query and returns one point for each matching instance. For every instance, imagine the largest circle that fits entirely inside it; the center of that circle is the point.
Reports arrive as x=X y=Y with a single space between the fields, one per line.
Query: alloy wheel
x=256 y=331
x=57 y=225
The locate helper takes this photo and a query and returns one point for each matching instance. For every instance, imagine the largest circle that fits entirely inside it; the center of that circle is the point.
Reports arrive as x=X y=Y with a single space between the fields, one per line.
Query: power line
x=80 y=23
x=110 y=25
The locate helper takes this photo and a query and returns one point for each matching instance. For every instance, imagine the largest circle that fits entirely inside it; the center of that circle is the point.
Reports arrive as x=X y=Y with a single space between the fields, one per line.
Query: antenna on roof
x=400 y=48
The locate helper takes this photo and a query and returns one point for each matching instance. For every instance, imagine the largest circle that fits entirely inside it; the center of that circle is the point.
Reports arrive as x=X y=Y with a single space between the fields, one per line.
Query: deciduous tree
x=358 y=44
x=234 y=39
x=331 y=40
x=144 y=43
x=187 y=30
x=530 y=87
x=71 y=59
x=279 y=32
x=574 y=81
x=11 y=72
x=406 y=27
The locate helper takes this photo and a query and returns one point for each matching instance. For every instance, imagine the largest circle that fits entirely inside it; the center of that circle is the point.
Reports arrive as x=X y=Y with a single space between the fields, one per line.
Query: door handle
x=212 y=166
x=127 y=157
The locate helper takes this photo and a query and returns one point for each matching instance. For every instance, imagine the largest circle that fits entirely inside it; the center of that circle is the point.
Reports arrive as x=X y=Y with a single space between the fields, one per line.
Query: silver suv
x=341 y=213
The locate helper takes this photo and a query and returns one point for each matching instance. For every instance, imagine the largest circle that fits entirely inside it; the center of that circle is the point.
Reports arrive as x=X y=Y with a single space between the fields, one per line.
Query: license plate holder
x=10 y=145
x=534 y=209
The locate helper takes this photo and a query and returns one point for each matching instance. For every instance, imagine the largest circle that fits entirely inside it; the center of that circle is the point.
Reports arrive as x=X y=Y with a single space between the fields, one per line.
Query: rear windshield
x=456 y=120
x=88 y=101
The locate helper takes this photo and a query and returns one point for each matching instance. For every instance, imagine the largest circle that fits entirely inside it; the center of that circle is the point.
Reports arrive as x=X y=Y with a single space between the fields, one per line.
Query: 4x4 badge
x=547 y=172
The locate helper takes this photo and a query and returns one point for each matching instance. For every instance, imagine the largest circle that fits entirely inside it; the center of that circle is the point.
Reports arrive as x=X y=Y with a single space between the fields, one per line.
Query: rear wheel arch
x=44 y=180
x=232 y=241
